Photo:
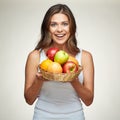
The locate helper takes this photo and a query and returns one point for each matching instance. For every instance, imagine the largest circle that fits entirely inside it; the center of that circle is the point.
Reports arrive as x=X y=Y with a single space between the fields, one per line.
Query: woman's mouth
x=59 y=36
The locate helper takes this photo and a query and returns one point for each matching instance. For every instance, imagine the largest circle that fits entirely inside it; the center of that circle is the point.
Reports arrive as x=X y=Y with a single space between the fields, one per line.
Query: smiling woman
x=59 y=100
x=59 y=28
x=56 y=18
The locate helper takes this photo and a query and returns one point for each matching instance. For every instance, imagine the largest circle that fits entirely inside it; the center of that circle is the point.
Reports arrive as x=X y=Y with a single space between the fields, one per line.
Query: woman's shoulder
x=86 y=53
x=34 y=55
x=86 y=56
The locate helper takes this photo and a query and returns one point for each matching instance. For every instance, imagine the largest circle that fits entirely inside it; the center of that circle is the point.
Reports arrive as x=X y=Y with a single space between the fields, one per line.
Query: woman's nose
x=59 y=28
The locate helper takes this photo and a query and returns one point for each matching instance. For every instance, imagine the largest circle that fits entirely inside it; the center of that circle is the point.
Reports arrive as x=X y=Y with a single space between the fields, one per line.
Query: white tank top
x=58 y=97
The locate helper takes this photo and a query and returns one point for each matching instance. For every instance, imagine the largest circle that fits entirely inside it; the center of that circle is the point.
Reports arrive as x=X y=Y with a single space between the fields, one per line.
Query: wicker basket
x=62 y=77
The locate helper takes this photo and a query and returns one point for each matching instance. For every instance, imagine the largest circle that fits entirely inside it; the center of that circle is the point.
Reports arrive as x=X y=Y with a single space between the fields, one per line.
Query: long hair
x=45 y=40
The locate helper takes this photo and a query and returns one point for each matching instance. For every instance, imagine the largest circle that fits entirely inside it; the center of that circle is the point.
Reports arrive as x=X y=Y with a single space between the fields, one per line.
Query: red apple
x=51 y=53
x=70 y=66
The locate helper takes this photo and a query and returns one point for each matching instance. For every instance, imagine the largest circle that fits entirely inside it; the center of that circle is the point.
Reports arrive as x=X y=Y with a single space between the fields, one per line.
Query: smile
x=59 y=35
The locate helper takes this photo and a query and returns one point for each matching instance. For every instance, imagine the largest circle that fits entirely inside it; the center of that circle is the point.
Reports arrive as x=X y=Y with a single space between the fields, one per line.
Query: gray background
x=98 y=31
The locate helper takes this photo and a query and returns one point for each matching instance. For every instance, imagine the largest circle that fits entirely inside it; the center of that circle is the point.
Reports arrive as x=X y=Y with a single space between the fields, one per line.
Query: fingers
x=40 y=77
x=75 y=80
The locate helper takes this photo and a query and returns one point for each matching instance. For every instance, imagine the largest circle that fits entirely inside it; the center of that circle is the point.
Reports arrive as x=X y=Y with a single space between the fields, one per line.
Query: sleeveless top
x=58 y=97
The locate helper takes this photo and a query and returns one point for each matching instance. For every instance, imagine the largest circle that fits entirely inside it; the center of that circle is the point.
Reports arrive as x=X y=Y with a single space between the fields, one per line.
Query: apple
x=61 y=57
x=51 y=53
x=69 y=67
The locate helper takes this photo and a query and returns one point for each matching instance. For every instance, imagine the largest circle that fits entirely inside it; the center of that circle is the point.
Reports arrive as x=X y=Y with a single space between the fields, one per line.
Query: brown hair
x=46 y=41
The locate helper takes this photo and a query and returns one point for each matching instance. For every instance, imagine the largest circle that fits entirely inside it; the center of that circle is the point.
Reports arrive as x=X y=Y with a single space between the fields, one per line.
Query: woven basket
x=62 y=77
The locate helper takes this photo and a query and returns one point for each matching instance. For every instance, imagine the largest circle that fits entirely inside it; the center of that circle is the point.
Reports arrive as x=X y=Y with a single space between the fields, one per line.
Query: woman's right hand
x=40 y=77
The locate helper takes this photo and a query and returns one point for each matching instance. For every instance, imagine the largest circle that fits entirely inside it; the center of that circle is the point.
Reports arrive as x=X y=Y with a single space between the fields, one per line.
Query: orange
x=54 y=67
x=73 y=59
x=45 y=63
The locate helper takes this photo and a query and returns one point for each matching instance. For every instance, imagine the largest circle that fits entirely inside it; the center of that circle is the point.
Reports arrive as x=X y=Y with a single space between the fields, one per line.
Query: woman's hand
x=40 y=77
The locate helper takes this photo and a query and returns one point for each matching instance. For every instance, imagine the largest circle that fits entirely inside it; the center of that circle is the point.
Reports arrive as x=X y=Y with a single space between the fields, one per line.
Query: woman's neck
x=61 y=47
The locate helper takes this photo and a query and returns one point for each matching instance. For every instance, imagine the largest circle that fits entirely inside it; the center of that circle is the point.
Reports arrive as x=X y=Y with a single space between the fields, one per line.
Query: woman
x=57 y=100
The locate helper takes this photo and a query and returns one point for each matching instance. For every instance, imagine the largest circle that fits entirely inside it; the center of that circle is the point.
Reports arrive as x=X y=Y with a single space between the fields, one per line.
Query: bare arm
x=33 y=83
x=86 y=90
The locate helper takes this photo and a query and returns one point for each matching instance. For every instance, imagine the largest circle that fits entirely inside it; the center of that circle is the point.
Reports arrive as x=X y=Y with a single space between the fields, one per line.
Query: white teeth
x=59 y=35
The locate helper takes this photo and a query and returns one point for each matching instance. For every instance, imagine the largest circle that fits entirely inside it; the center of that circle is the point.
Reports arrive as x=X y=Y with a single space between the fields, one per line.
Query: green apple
x=61 y=57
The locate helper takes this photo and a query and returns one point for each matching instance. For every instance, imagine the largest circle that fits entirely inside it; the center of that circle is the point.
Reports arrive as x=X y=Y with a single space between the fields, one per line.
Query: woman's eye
x=53 y=24
x=65 y=24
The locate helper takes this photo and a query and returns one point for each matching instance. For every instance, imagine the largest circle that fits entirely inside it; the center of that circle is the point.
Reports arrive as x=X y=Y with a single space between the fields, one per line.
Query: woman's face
x=59 y=28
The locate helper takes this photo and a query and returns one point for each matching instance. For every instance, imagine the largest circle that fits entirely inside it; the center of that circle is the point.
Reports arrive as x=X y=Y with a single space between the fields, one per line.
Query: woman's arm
x=86 y=90
x=33 y=84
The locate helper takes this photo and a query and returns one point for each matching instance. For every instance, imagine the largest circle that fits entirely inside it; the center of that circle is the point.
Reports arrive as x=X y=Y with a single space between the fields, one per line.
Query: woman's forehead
x=59 y=17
